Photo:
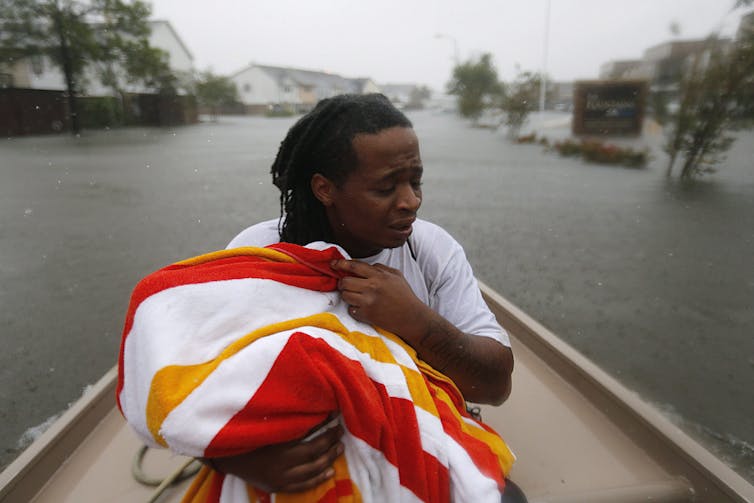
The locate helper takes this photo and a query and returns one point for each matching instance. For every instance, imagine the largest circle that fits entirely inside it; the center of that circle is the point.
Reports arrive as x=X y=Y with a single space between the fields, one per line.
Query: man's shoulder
x=260 y=234
x=430 y=237
x=426 y=230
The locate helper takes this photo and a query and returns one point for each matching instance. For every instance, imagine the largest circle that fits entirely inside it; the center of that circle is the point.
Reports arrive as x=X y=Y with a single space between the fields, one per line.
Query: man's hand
x=380 y=295
x=289 y=467
x=481 y=367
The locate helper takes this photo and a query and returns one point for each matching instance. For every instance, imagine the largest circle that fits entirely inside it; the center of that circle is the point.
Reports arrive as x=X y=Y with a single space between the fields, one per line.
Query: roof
x=175 y=34
x=319 y=80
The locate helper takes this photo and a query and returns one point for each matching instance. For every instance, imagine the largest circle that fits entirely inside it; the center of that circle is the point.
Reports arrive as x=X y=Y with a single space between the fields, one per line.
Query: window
x=37 y=65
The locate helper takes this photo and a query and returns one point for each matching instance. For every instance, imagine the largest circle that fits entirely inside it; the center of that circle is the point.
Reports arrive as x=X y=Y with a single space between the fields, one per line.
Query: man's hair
x=322 y=142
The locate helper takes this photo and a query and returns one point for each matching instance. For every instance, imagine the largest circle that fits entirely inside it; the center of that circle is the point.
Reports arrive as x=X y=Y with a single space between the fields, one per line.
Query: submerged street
x=650 y=278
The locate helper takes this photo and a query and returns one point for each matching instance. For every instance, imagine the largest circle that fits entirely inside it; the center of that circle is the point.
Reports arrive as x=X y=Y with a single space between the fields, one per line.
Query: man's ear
x=322 y=188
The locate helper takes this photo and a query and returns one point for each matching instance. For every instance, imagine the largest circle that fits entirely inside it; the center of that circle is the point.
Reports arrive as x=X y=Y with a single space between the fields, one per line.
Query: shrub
x=528 y=138
x=568 y=148
x=603 y=153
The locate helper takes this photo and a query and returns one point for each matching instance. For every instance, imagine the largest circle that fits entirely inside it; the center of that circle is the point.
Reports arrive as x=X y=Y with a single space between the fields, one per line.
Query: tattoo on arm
x=452 y=350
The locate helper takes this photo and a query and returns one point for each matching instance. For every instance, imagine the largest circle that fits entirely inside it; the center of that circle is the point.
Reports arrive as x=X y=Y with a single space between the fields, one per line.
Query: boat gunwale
x=19 y=481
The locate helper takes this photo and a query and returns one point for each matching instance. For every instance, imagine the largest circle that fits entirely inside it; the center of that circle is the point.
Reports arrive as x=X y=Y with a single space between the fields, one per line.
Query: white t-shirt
x=439 y=274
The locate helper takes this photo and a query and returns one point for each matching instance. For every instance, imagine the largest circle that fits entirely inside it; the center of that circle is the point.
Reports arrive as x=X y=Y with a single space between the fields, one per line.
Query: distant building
x=559 y=96
x=38 y=72
x=398 y=94
x=662 y=65
x=619 y=69
x=264 y=88
x=33 y=97
x=745 y=25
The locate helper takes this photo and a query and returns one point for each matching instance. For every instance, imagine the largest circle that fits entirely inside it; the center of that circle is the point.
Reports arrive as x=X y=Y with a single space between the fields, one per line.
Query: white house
x=263 y=88
x=37 y=72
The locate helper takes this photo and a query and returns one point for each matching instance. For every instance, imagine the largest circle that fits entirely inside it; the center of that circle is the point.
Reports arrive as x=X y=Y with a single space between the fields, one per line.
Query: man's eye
x=417 y=184
x=385 y=190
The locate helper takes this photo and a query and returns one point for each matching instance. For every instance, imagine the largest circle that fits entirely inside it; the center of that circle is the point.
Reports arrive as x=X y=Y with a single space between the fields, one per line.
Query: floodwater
x=650 y=278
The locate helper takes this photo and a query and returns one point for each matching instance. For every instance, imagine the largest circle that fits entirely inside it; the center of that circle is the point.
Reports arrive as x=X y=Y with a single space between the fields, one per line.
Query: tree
x=123 y=54
x=715 y=98
x=476 y=86
x=519 y=100
x=111 y=35
x=213 y=91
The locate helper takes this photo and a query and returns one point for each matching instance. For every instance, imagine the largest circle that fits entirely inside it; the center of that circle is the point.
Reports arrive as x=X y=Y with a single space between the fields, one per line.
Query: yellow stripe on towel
x=267 y=253
x=173 y=383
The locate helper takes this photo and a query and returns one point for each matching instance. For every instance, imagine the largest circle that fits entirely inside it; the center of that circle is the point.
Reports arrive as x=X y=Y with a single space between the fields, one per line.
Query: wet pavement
x=650 y=278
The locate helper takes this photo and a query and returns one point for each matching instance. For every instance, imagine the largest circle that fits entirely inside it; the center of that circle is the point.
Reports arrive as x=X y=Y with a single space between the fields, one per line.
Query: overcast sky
x=395 y=41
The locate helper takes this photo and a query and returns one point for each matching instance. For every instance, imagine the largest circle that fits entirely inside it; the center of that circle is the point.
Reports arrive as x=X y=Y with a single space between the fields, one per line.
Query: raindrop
x=599 y=283
x=149 y=166
x=28 y=211
x=196 y=170
x=36 y=107
x=198 y=220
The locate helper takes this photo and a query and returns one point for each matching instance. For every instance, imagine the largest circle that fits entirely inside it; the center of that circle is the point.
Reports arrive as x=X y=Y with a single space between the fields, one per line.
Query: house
x=33 y=97
x=37 y=72
x=263 y=88
x=398 y=94
x=618 y=69
x=180 y=59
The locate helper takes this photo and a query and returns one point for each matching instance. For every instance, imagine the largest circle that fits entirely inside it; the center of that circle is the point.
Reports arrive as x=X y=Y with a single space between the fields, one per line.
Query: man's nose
x=409 y=198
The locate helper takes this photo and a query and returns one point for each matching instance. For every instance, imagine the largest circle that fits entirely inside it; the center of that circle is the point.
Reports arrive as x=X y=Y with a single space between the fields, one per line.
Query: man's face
x=375 y=207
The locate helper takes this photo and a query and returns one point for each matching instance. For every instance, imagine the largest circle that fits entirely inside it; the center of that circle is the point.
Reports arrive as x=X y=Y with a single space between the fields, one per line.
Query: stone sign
x=609 y=107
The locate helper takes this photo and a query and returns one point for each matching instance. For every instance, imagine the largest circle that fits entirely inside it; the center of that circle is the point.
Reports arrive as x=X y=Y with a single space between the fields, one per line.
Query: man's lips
x=403 y=225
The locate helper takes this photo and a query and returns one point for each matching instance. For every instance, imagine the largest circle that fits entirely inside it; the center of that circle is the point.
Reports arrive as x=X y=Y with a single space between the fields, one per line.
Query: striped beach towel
x=237 y=349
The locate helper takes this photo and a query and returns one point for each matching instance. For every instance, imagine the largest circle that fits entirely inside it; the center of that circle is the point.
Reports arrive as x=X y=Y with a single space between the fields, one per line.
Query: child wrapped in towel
x=235 y=350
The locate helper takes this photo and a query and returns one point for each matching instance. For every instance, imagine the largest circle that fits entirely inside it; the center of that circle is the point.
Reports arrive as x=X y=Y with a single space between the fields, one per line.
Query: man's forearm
x=480 y=366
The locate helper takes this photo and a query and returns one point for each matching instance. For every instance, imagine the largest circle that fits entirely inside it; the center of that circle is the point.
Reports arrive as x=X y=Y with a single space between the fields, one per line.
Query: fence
x=32 y=111
x=35 y=111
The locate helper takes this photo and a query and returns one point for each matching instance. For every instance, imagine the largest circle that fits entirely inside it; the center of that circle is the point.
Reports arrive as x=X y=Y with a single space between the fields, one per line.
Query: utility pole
x=456 y=55
x=543 y=80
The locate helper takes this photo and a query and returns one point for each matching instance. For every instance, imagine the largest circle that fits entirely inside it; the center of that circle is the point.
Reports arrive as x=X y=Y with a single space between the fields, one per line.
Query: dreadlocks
x=322 y=142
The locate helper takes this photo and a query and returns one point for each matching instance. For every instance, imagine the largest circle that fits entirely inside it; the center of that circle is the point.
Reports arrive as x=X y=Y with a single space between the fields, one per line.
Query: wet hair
x=322 y=142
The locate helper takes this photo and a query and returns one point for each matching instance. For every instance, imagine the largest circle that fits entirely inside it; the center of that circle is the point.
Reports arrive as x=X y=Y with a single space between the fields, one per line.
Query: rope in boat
x=180 y=474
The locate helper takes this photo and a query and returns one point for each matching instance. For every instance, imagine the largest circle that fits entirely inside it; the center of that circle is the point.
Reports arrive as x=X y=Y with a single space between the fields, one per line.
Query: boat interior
x=578 y=434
